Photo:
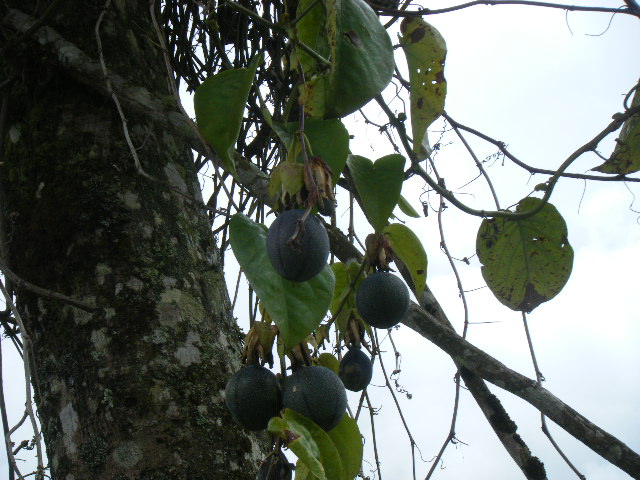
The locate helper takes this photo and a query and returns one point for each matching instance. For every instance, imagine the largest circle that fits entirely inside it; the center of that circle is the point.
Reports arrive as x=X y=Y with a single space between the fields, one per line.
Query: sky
x=544 y=82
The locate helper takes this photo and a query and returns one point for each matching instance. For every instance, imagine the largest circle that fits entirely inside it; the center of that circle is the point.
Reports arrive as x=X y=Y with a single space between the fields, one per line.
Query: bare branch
x=27 y=381
x=534 y=170
x=571 y=8
x=43 y=292
x=487 y=367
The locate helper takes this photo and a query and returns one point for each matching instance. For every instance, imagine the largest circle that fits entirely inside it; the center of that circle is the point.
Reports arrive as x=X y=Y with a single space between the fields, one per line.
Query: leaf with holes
x=379 y=185
x=310 y=443
x=297 y=308
x=426 y=52
x=219 y=103
x=626 y=156
x=525 y=262
x=360 y=54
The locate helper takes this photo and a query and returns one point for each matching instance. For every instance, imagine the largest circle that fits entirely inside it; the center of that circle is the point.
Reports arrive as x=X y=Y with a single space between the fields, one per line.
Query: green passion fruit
x=252 y=396
x=355 y=370
x=382 y=300
x=318 y=394
x=275 y=467
x=308 y=255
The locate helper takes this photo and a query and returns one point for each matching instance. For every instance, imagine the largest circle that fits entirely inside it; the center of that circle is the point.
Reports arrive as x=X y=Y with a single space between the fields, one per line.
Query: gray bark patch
x=69 y=422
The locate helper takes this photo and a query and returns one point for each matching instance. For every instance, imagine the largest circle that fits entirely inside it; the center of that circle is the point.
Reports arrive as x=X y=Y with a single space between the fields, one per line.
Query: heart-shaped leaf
x=426 y=52
x=219 y=103
x=310 y=443
x=409 y=249
x=348 y=440
x=525 y=262
x=379 y=185
x=297 y=308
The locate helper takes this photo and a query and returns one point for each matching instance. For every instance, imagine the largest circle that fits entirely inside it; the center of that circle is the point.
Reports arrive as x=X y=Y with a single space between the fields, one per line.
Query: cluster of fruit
x=298 y=247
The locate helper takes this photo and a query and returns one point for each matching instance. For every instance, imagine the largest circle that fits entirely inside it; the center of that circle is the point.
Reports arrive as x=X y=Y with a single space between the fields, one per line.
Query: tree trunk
x=135 y=388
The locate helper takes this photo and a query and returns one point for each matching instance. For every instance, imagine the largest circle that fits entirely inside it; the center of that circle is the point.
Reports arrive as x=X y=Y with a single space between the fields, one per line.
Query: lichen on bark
x=133 y=390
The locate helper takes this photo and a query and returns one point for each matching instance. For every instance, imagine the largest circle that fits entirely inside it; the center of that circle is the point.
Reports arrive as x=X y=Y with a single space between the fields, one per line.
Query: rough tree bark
x=132 y=390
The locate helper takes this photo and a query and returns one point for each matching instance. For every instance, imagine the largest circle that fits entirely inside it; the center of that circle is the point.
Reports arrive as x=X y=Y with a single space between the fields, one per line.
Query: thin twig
x=483 y=172
x=540 y=379
x=27 y=381
x=5 y=424
x=618 y=121
x=43 y=292
x=571 y=8
x=113 y=95
x=176 y=97
x=373 y=435
x=533 y=170
x=395 y=400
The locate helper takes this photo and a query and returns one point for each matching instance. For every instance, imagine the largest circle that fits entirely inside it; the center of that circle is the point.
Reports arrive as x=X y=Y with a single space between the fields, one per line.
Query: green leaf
x=379 y=185
x=348 y=440
x=219 y=103
x=340 y=287
x=297 y=308
x=345 y=276
x=426 y=52
x=361 y=56
x=329 y=140
x=286 y=178
x=409 y=249
x=302 y=472
x=310 y=443
x=329 y=361
x=406 y=208
x=626 y=156
x=525 y=262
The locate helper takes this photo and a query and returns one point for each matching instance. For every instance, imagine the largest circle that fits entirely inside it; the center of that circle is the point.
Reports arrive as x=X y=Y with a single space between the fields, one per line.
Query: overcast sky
x=540 y=81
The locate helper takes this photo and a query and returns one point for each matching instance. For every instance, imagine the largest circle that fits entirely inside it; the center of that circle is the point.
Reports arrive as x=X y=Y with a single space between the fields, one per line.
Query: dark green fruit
x=252 y=396
x=355 y=370
x=275 y=467
x=318 y=394
x=382 y=300
x=326 y=207
x=305 y=260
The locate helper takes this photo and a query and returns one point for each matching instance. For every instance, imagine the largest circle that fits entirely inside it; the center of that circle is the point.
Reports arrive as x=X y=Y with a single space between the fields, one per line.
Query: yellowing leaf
x=626 y=156
x=426 y=52
x=525 y=262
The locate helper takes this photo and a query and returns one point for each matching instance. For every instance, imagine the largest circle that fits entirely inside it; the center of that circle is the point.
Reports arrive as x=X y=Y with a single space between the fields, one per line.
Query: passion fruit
x=318 y=394
x=326 y=207
x=382 y=300
x=275 y=467
x=355 y=370
x=307 y=255
x=252 y=396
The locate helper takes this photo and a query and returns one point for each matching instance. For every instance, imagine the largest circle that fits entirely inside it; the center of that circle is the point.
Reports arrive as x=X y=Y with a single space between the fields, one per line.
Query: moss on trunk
x=135 y=390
